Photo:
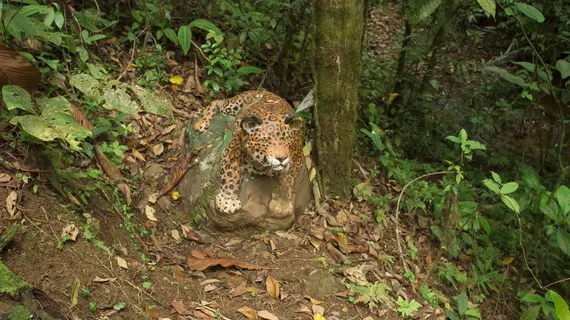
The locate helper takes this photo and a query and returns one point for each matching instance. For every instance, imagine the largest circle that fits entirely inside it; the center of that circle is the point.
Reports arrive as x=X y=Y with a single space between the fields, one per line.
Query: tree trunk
x=403 y=54
x=338 y=36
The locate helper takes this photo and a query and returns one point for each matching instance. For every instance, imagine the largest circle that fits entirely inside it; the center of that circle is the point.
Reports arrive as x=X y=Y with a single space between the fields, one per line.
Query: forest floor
x=349 y=270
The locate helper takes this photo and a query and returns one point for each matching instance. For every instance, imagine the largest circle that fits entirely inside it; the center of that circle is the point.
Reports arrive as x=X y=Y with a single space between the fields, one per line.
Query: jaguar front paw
x=281 y=207
x=227 y=203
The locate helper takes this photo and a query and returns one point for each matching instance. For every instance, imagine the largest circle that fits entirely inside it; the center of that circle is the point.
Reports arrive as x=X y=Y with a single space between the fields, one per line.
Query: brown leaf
x=249 y=313
x=190 y=234
x=5 y=177
x=317 y=309
x=16 y=70
x=70 y=230
x=11 y=201
x=178 y=305
x=126 y=191
x=103 y=280
x=178 y=272
x=203 y=264
x=198 y=254
x=75 y=291
x=168 y=129
x=138 y=155
x=80 y=117
x=304 y=309
x=313 y=301
x=122 y=263
x=272 y=287
x=158 y=149
x=239 y=290
x=151 y=313
x=178 y=171
x=110 y=170
x=264 y=314
x=175 y=234
x=210 y=287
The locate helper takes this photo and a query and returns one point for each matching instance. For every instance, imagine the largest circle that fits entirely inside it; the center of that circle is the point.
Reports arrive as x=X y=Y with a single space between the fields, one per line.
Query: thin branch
x=404 y=264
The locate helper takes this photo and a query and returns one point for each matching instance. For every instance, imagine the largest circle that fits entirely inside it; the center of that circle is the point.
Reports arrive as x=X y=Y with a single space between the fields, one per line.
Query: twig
x=556 y=282
x=201 y=52
x=524 y=253
x=398 y=213
x=130 y=61
x=146 y=293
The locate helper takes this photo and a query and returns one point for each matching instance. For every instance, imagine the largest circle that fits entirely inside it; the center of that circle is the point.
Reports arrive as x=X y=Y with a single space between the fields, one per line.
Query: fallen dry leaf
x=138 y=155
x=178 y=305
x=5 y=177
x=195 y=264
x=75 y=291
x=110 y=170
x=198 y=254
x=126 y=191
x=16 y=70
x=11 y=202
x=313 y=301
x=103 y=280
x=150 y=211
x=151 y=313
x=210 y=287
x=122 y=263
x=286 y=235
x=80 y=117
x=239 y=290
x=168 y=129
x=304 y=309
x=175 y=234
x=249 y=313
x=272 y=287
x=264 y=314
x=318 y=309
x=178 y=171
x=70 y=230
x=158 y=149
x=178 y=272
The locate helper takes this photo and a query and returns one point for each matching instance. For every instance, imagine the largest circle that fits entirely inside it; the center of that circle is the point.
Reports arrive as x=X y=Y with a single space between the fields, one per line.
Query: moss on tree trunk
x=338 y=36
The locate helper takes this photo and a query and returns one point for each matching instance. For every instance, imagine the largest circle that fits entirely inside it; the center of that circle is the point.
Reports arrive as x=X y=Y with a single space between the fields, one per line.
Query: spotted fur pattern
x=267 y=140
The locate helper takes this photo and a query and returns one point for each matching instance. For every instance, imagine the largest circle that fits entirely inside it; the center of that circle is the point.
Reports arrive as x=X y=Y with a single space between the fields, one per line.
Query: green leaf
x=484 y=224
x=530 y=11
x=462 y=303
x=531 y=313
x=119 y=306
x=426 y=9
x=205 y=25
x=563 y=240
x=473 y=312
x=453 y=139
x=59 y=20
x=185 y=38
x=532 y=298
x=560 y=305
x=509 y=188
x=530 y=177
x=171 y=35
x=475 y=145
x=507 y=76
x=120 y=100
x=488 y=6
x=151 y=102
x=17 y=98
x=564 y=68
x=562 y=195
x=463 y=135
x=245 y=70
x=88 y=85
x=56 y=122
x=511 y=203
x=549 y=207
x=496 y=177
x=492 y=185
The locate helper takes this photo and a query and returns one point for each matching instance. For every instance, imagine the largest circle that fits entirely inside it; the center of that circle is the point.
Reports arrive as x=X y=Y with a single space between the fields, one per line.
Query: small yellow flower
x=176 y=80
x=319 y=316
x=175 y=195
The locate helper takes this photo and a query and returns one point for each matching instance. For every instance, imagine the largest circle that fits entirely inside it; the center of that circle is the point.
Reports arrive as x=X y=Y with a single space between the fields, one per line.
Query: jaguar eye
x=286 y=138
x=264 y=141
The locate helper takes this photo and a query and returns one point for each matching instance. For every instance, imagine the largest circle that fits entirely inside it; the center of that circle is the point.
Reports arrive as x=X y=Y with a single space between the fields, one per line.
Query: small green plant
x=223 y=67
x=114 y=151
x=552 y=306
x=92 y=306
x=119 y=306
x=146 y=285
x=465 y=311
x=371 y=294
x=84 y=292
x=407 y=308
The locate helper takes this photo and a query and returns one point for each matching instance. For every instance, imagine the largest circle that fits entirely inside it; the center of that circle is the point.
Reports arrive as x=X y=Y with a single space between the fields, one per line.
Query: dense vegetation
x=477 y=96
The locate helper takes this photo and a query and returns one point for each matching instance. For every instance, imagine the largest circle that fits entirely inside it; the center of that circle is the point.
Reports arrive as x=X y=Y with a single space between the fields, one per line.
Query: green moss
x=9 y=283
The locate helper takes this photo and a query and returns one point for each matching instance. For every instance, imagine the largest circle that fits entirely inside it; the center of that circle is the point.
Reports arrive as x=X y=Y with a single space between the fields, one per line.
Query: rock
x=321 y=284
x=153 y=173
x=200 y=185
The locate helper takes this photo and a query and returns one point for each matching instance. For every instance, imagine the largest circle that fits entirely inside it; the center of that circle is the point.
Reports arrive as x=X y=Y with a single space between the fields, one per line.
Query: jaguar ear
x=294 y=121
x=250 y=123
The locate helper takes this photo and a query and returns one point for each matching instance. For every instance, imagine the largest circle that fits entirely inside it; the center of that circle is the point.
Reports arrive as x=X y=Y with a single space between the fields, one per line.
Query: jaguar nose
x=282 y=159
